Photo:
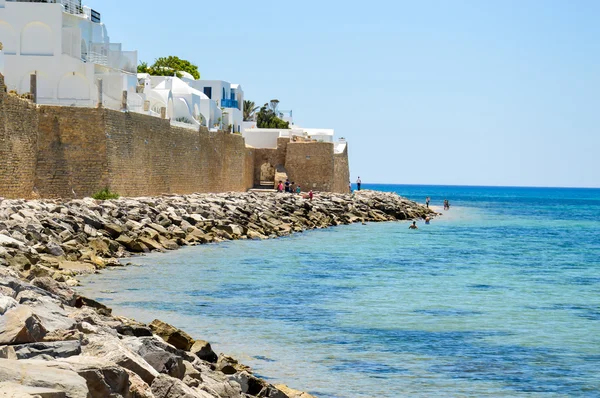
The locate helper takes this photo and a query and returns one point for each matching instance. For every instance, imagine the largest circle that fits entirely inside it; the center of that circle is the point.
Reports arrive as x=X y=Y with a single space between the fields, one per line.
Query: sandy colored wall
x=341 y=172
x=71 y=153
x=75 y=152
x=18 y=145
x=311 y=165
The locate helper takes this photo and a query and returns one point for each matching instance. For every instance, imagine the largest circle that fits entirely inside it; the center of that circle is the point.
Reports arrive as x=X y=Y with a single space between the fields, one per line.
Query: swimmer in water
x=427 y=220
x=413 y=225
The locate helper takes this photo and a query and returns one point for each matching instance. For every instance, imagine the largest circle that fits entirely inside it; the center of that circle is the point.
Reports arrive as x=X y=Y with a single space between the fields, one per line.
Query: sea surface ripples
x=498 y=297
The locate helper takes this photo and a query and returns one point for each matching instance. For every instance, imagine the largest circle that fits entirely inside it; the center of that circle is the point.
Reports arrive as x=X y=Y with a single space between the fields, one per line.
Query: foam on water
x=498 y=297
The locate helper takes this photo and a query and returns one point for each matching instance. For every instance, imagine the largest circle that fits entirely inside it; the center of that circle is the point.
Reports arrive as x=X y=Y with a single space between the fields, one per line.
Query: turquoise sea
x=498 y=297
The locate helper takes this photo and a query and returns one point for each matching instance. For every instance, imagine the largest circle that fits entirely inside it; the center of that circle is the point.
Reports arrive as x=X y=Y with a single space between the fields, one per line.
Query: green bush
x=105 y=194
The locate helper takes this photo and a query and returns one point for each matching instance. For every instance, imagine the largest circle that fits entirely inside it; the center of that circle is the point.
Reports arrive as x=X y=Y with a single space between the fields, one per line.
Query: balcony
x=228 y=103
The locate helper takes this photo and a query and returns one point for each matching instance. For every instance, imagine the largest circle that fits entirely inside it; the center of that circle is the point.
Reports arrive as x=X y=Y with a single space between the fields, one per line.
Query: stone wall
x=341 y=172
x=71 y=152
x=75 y=152
x=18 y=145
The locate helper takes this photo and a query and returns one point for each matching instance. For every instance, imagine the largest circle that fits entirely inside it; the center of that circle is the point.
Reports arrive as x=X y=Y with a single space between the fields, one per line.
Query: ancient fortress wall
x=18 y=145
x=75 y=152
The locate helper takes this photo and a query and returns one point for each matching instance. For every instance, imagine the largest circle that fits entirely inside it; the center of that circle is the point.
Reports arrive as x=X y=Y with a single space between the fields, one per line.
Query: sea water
x=499 y=296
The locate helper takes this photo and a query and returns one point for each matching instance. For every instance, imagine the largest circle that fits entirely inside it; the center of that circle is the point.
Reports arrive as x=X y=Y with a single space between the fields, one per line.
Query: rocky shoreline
x=57 y=343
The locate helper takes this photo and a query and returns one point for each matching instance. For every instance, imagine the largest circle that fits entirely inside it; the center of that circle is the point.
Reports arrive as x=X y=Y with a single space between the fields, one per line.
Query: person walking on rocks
x=358 y=182
x=310 y=195
x=298 y=189
x=427 y=201
x=349 y=186
x=280 y=187
x=287 y=185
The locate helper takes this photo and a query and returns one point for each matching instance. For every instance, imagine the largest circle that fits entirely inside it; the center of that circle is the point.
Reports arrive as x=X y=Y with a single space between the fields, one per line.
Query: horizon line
x=479 y=186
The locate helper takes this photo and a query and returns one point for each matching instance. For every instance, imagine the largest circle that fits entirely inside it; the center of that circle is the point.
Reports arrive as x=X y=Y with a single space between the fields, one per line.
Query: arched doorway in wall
x=267 y=174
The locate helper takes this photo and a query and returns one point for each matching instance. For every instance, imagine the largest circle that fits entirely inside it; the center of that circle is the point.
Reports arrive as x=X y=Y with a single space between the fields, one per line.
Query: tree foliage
x=250 y=109
x=269 y=117
x=168 y=66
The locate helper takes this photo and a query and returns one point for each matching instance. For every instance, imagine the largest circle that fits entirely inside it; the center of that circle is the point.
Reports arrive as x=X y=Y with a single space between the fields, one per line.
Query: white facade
x=66 y=46
x=228 y=97
x=267 y=138
x=183 y=103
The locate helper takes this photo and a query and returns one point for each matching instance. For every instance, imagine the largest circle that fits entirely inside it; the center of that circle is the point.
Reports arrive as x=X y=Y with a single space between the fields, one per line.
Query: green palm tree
x=249 y=110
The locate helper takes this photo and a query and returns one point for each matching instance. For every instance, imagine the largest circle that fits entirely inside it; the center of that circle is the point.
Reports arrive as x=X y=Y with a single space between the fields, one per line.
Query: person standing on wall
x=358 y=182
x=427 y=201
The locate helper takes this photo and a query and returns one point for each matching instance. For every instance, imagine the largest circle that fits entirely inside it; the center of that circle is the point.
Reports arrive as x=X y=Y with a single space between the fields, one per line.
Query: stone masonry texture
x=69 y=152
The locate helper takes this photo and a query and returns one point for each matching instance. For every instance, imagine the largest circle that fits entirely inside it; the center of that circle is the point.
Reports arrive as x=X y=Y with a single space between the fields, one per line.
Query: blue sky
x=426 y=92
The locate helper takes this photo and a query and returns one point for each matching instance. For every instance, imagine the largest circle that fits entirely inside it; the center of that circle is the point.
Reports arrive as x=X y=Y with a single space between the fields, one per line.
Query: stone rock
x=168 y=387
x=229 y=365
x=20 y=325
x=82 y=301
x=7 y=352
x=138 y=388
x=176 y=337
x=167 y=243
x=57 y=349
x=6 y=303
x=291 y=393
x=54 y=249
x=52 y=314
x=113 y=350
x=113 y=230
x=7 y=241
x=149 y=243
x=218 y=385
x=134 y=330
x=154 y=351
x=59 y=289
x=203 y=350
x=15 y=390
x=78 y=267
x=38 y=373
x=103 y=378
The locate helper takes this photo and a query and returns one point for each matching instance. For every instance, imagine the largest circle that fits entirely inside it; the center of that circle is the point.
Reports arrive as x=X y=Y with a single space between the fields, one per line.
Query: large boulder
x=169 y=387
x=138 y=388
x=6 y=303
x=15 y=390
x=165 y=359
x=113 y=350
x=56 y=349
x=203 y=350
x=103 y=378
x=176 y=337
x=38 y=373
x=59 y=289
x=20 y=325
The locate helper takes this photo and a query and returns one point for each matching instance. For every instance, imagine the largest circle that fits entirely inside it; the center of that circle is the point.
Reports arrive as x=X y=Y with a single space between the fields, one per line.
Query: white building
x=184 y=104
x=267 y=138
x=68 y=49
x=228 y=97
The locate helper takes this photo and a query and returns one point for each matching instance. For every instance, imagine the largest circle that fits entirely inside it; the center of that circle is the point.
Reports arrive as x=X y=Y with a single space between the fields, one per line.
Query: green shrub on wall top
x=105 y=194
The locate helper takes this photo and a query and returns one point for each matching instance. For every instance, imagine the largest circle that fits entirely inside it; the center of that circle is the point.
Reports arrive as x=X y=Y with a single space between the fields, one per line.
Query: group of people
x=288 y=187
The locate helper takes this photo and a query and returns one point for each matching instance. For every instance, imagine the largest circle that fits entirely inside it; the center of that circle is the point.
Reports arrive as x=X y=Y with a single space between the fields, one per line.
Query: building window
x=223 y=96
x=208 y=92
x=232 y=95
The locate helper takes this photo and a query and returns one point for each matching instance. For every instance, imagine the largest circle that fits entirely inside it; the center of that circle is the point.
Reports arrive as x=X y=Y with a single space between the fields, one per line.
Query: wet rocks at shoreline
x=57 y=343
